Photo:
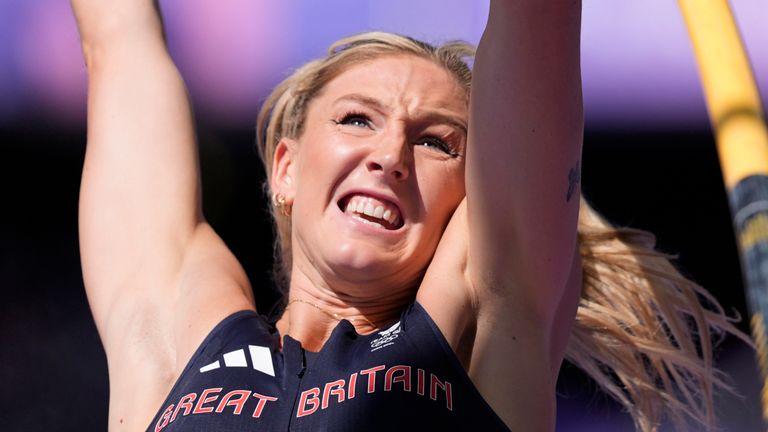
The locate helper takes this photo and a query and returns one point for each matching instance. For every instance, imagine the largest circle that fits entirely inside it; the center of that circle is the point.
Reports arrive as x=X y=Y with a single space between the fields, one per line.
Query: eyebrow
x=377 y=105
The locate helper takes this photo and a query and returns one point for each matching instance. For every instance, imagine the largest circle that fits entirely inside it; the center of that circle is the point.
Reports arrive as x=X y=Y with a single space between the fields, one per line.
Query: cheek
x=446 y=190
x=330 y=146
x=322 y=157
x=324 y=163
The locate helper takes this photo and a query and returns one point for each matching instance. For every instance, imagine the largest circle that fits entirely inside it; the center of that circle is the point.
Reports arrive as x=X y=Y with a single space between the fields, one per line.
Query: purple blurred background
x=649 y=162
x=639 y=69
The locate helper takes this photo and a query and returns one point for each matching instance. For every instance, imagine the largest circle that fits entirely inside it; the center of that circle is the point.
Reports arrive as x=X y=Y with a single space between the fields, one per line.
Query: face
x=376 y=174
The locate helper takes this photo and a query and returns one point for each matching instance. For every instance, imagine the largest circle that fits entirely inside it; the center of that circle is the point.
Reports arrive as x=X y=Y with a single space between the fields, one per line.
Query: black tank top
x=403 y=378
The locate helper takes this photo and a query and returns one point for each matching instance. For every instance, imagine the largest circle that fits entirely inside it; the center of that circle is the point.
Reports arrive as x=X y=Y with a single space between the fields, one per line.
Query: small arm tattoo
x=574 y=177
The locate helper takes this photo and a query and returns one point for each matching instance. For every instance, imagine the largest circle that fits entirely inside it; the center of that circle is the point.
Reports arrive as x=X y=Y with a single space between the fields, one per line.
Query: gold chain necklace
x=331 y=314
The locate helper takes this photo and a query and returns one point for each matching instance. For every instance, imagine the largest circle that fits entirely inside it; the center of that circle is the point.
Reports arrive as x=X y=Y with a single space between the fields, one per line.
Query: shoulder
x=155 y=377
x=153 y=331
x=498 y=339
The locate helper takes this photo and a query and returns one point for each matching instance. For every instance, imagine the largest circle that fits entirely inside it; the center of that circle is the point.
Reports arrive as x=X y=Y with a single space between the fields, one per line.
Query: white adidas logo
x=261 y=359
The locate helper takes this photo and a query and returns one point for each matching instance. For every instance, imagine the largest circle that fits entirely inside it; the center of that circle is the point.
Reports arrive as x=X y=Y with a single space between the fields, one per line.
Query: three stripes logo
x=261 y=360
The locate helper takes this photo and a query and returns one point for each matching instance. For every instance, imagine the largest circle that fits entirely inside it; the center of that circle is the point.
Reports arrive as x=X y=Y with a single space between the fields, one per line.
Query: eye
x=356 y=120
x=438 y=145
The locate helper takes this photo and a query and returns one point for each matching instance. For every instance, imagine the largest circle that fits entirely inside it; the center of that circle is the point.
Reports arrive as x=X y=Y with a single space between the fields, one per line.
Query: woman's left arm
x=523 y=164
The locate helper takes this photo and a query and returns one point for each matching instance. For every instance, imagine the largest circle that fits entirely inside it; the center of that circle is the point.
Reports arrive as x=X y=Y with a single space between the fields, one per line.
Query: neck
x=314 y=310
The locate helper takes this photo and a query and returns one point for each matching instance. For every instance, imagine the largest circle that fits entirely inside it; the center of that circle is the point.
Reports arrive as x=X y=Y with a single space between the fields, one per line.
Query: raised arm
x=140 y=194
x=149 y=259
x=523 y=160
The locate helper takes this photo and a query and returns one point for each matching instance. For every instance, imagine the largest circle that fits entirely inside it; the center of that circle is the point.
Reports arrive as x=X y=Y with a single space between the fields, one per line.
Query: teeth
x=368 y=209
x=371 y=208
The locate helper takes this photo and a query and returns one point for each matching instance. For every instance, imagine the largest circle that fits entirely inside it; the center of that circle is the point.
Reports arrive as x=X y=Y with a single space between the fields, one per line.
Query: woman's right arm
x=157 y=277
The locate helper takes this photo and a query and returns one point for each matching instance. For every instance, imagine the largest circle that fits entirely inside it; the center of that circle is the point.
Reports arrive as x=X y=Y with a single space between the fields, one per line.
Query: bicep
x=523 y=154
x=140 y=193
x=149 y=259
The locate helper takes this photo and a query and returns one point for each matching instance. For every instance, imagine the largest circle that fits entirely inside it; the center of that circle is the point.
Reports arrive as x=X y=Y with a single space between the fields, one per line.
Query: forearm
x=529 y=56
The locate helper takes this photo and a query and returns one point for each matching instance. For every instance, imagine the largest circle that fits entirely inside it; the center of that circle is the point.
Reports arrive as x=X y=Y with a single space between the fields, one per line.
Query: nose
x=391 y=158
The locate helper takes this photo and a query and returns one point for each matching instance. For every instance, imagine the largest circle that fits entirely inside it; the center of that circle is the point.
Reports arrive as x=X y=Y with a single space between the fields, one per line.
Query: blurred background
x=649 y=162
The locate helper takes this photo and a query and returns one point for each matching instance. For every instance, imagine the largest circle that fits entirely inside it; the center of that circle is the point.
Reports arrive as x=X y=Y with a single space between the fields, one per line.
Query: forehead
x=400 y=81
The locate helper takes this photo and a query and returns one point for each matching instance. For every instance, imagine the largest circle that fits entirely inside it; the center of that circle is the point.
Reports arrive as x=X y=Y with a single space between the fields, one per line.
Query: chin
x=362 y=264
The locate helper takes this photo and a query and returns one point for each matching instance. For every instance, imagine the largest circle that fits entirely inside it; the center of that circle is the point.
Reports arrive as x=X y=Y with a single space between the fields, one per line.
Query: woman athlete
x=432 y=241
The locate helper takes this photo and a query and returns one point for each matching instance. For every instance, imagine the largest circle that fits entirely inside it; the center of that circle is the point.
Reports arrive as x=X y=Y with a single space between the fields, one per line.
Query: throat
x=307 y=325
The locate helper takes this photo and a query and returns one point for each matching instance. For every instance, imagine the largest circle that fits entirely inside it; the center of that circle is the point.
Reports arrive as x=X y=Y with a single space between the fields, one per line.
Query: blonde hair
x=641 y=330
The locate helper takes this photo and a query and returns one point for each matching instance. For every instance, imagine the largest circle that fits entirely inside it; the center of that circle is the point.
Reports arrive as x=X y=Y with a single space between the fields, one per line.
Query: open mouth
x=372 y=210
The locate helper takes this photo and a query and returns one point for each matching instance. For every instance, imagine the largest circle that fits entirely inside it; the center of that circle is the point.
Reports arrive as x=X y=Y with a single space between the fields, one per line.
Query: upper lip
x=381 y=196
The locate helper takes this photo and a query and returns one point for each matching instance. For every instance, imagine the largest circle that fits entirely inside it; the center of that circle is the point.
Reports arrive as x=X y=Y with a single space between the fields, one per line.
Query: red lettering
x=186 y=403
x=372 y=377
x=434 y=383
x=229 y=399
x=162 y=422
x=420 y=382
x=204 y=399
x=308 y=397
x=405 y=377
x=351 y=387
x=333 y=388
x=260 y=405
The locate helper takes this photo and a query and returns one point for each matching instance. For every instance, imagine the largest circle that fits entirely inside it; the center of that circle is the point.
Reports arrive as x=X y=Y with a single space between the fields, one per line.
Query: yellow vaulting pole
x=742 y=144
